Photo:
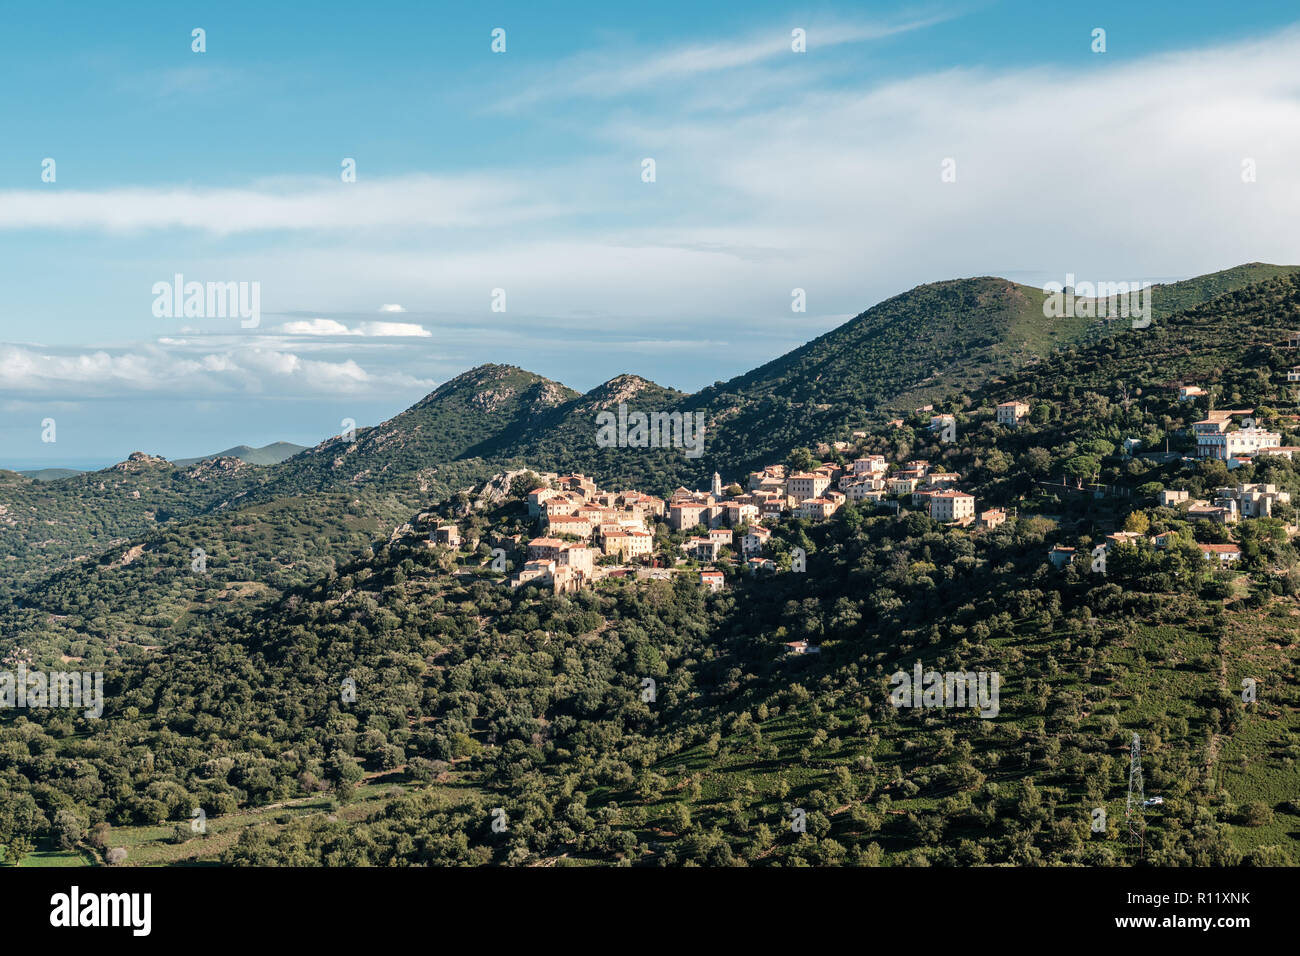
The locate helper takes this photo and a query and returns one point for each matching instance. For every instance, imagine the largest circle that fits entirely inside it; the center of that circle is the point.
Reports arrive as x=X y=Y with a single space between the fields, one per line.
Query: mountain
x=271 y=454
x=463 y=415
x=51 y=474
x=656 y=722
x=934 y=342
x=1172 y=298
x=45 y=524
x=416 y=455
x=949 y=337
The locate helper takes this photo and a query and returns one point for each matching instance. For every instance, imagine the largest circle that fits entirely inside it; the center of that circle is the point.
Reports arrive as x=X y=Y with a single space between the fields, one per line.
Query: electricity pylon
x=1134 y=812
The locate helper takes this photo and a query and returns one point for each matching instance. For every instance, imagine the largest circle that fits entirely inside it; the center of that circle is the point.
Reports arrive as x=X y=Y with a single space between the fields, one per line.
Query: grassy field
x=153 y=845
x=48 y=855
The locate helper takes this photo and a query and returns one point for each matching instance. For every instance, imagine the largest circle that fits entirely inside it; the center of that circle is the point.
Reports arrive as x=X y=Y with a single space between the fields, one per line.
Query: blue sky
x=522 y=171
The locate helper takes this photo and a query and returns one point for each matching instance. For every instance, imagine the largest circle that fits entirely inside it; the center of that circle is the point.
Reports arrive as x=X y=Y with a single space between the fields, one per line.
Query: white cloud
x=316 y=327
x=330 y=327
x=612 y=74
x=418 y=201
x=1117 y=169
x=1129 y=170
x=394 y=330
x=391 y=308
x=188 y=372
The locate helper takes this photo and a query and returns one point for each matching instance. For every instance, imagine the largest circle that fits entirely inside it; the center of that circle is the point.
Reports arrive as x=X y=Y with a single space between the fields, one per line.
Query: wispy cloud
x=190 y=372
x=610 y=75
x=419 y=201
x=1124 y=168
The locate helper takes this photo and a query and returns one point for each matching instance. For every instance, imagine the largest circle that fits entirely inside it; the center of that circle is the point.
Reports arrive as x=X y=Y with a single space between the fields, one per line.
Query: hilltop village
x=578 y=533
x=581 y=525
x=584 y=533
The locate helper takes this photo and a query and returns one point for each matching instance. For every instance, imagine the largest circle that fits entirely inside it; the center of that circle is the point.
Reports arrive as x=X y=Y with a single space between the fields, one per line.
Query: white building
x=1223 y=444
x=1224 y=553
x=1012 y=413
x=952 y=506
x=870 y=465
x=754 y=540
x=1254 y=500
x=806 y=485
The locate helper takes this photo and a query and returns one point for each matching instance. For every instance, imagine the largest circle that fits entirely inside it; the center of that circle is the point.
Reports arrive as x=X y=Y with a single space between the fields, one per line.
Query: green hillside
x=45 y=525
x=949 y=337
x=933 y=342
x=223 y=689
x=1175 y=297
x=471 y=411
x=955 y=331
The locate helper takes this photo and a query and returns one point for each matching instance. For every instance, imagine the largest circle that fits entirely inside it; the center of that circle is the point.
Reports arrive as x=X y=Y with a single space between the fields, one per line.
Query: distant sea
x=36 y=464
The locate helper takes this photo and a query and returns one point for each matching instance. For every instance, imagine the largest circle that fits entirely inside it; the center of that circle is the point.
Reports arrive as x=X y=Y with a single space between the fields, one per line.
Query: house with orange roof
x=713 y=580
x=1223 y=553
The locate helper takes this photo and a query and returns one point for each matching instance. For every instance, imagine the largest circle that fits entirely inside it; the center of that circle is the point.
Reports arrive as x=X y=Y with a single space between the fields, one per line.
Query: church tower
x=717 y=485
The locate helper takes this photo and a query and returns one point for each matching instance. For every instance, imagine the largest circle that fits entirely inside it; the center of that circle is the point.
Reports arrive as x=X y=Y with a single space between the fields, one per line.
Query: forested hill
x=223 y=689
x=940 y=341
x=463 y=414
x=824 y=391
x=951 y=337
